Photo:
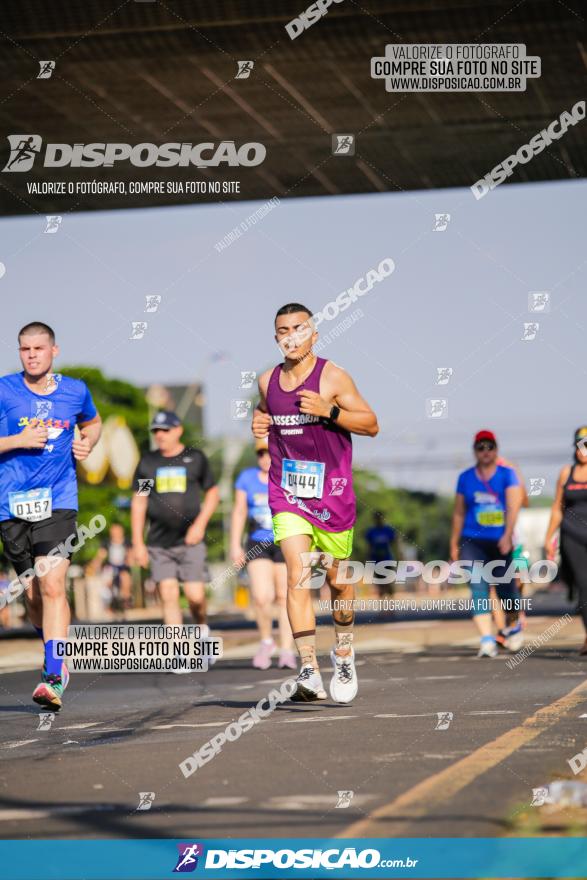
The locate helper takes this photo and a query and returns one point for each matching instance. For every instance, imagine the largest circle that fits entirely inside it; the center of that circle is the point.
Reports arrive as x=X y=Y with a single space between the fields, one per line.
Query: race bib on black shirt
x=175 y=493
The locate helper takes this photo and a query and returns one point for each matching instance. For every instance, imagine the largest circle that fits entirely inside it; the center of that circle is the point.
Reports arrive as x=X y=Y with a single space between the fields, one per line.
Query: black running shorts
x=26 y=541
x=262 y=550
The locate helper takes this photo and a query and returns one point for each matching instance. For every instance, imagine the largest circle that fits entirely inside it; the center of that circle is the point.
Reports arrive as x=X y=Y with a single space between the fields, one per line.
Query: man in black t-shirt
x=168 y=485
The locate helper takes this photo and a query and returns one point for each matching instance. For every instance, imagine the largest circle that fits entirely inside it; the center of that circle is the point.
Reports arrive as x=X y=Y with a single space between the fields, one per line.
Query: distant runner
x=168 y=483
x=511 y=623
x=487 y=503
x=263 y=558
x=309 y=407
x=569 y=513
x=380 y=537
x=39 y=410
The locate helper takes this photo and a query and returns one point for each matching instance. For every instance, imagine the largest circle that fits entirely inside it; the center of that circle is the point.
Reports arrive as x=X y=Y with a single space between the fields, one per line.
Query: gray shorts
x=185 y=562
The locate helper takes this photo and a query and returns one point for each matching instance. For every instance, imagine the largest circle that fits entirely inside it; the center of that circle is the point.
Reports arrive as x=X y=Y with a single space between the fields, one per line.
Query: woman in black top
x=569 y=512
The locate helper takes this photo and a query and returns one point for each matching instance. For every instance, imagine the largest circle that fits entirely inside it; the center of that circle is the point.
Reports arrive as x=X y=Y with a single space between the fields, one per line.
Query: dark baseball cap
x=164 y=420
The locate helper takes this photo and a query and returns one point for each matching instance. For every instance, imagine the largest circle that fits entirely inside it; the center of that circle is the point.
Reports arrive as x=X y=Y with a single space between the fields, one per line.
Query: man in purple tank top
x=309 y=408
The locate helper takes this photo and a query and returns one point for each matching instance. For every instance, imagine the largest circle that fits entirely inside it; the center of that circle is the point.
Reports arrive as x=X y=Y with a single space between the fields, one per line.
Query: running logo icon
x=314 y=567
x=443 y=375
x=530 y=331
x=338 y=485
x=437 y=408
x=53 y=224
x=43 y=409
x=47 y=68
x=145 y=487
x=344 y=800
x=146 y=799
x=537 y=484
x=138 y=329
x=247 y=378
x=46 y=719
x=539 y=797
x=152 y=302
x=539 y=301
x=187 y=861
x=343 y=145
x=245 y=68
x=240 y=408
x=441 y=222
x=23 y=151
x=444 y=719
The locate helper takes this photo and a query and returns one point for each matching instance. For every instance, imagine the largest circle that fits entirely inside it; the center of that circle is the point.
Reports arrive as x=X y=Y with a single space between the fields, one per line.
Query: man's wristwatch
x=334 y=414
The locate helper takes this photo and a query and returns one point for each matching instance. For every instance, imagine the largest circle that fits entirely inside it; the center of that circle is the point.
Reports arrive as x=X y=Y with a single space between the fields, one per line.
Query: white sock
x=344 y=641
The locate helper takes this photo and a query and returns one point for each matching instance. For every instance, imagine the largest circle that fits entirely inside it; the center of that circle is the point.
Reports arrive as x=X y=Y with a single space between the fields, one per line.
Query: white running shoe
x=488 y=648
x=309 y=686
x=343 y=684
x=514 y=640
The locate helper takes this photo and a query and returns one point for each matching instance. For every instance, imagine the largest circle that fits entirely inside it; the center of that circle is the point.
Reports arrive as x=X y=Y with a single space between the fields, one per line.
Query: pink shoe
x=262 y=659
x=287 y=660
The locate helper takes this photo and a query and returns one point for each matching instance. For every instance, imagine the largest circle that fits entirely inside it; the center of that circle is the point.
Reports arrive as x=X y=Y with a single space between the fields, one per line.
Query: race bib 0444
x=305 y=479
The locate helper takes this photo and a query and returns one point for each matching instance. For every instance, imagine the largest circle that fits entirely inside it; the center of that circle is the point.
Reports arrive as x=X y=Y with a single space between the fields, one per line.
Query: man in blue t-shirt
x=380 y=538
x=39 y=410
x=487 y=504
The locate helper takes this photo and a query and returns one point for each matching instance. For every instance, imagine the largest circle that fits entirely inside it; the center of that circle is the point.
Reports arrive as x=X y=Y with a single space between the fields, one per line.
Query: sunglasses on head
x=484 y=446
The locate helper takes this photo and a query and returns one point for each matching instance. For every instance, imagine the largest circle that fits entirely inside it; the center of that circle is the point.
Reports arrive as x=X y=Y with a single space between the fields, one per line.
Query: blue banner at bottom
x=292 y=857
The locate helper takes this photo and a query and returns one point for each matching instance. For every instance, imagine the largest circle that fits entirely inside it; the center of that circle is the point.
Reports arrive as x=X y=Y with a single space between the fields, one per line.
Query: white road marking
x=437 y=677
x=200 y=724
x=81 y=726
x=393 y=715
x=45 y=813
x=21 y=742
x=494 y=712
x=307 y=801
x=321 y=718
x=224 y=801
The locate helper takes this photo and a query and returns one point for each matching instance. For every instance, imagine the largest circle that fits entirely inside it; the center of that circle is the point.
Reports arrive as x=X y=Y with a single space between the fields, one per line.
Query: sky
x=457 y=298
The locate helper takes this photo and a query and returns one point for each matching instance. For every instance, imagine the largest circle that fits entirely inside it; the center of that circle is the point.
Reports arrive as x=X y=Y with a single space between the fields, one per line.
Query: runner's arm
x=138 y=518
x=91 y=430
x=523 y=493
x=458 y=520
x=355 y=414
x=261 y=418
x=89 y=435
x=211 y=502
x=31 y=437
x=513 y=503
x=556 y=512
x=237 y=523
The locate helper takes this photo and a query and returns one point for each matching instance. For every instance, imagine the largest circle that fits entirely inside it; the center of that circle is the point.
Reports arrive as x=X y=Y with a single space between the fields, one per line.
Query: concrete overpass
x=161 y=72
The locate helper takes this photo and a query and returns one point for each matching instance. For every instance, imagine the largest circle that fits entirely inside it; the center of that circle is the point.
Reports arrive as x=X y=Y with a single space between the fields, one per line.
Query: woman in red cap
x=569 y=514
x=487 y=503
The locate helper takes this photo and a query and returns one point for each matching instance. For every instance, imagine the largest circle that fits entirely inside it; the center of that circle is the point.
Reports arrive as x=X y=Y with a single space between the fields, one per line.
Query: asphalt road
x=119 y=735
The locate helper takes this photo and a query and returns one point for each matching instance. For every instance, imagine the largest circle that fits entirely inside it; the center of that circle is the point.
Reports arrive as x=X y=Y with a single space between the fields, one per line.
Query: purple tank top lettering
x=320 y=492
